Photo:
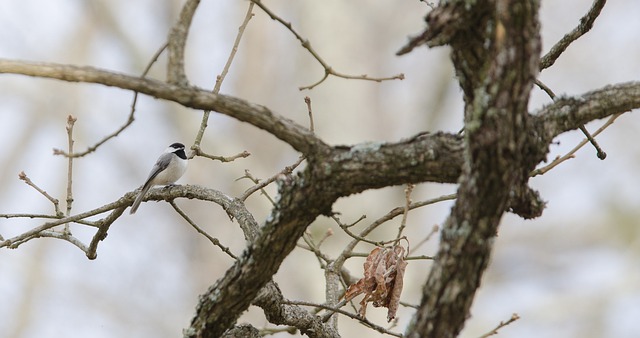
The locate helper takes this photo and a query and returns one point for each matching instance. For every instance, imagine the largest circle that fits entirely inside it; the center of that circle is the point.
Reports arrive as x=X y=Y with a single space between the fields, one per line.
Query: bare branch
x=177 y=42
x=405 y=213
x=307 y=100
x=63 y=235
x=513 y=318
x=328 y=70
x=118 y=206
x=56 y=203
x=260 y=186
x=599 y=152
x=568 y=113
x=280 y=311
x=101 y=234
x=129 y=120
x=198 y=152
x=70 y=123
x=586 y=23
x=434 y=230
x=346 y=252
x=213 y=240
x=561 y=116
x=219 y=79
x=297 y=136
x=571 y=153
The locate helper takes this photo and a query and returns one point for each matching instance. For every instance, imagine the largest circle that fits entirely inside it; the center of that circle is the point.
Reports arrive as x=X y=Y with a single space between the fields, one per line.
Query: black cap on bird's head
x=178 y=149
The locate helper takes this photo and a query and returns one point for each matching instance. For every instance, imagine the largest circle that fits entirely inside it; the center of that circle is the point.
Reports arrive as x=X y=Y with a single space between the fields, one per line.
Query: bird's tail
x=136 y=203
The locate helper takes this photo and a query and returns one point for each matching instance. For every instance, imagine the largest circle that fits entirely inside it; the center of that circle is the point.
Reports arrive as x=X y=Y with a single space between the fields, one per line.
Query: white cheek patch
x=171 y=150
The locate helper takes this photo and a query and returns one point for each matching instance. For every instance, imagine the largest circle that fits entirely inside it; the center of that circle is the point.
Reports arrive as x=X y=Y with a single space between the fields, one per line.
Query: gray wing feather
x=161 y=164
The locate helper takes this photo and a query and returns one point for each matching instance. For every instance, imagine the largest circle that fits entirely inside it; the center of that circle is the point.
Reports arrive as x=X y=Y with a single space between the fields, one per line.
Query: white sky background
x=573 y=272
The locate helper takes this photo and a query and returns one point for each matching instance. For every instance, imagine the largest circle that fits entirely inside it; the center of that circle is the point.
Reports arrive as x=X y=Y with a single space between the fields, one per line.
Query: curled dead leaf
x=382 y=282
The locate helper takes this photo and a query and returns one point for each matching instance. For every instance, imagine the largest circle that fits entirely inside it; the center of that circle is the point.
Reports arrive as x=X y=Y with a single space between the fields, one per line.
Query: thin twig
x=65 y=236
x=361 y=238
x=33 y=233
x=419 y=258
x=546 y=89
x=307 y=100
x=44 y=216
x=408 y=258
x=513 y=318
x=571 y=153
x=405 y=212
x=586 y=23
x=405 y=304
x=56 y=203
x=30 y=216
x=211 y=239
x=285 y=171
x=258 y=186
x=232 y=206
x=599 y=152
x=261 y=184
x=433 y=231
x=70 y=123
x=197 y=151
x=315 y=249
x=346 y=252
x=129 y=120
x=328 y=70
x=327 y=234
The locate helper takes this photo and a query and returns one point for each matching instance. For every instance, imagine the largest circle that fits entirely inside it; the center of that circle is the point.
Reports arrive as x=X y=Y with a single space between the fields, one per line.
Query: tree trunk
x=496 y=48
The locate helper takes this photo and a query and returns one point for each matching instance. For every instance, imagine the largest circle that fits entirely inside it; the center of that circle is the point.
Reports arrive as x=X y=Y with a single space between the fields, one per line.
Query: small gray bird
x=170 y=166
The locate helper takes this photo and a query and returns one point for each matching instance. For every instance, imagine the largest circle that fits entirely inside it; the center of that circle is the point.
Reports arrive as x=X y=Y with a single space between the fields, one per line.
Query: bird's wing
x=161 y=164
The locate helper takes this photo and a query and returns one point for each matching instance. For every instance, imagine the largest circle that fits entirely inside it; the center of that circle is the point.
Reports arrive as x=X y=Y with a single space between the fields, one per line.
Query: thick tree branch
x=566 y=114
x=299 y=137
x=569 y=113
x=271 y=301
x=496 y=65
x=177 y=42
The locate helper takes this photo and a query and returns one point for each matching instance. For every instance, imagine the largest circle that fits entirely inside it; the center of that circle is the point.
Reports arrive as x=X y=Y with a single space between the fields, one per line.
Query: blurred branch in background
x=306 y=44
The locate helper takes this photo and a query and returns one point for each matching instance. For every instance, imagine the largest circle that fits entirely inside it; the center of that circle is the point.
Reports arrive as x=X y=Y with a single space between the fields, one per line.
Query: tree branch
x=299 y=137
x=568 y=113
x=496 y=66
x=177 y=42
x=586 y=23
x=328 y=70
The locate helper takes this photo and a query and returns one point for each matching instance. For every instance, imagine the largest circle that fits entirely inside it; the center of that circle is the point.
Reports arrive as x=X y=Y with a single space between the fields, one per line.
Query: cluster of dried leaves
x=382 y=281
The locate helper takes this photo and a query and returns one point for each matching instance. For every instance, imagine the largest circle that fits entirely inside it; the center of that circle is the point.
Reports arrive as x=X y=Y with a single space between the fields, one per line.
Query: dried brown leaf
x=394 y=296
x=382 y=282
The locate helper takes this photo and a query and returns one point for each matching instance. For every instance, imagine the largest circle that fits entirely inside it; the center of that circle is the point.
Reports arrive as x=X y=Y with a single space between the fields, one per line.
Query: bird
x=169 y=167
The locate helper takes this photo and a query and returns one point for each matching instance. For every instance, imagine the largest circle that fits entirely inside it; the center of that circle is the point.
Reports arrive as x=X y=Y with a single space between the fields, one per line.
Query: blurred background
x=573 y=272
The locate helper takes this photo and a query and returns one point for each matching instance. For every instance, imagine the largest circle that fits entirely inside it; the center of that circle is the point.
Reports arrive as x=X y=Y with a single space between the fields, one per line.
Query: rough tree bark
x=495 y=50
